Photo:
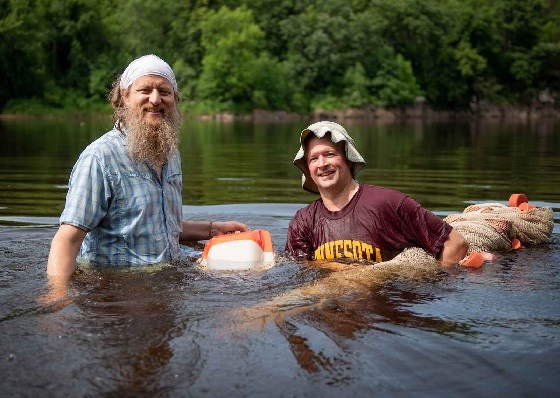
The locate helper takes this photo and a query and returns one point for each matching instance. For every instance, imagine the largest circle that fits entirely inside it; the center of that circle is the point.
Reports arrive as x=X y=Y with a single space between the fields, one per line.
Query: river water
x=180 y=330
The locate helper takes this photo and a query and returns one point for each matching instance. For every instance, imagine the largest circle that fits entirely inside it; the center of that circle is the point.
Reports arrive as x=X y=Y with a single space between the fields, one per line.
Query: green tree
x=318 y=39
x=283 y=54
x=357 y=87
x=418 y=30
x=142 y=27
x=521 y=24
x=395 y=84
x=21 y=61
x=236 y=71
x=268 y=15
x=474 y=42
x=73 y=38
x=507 y=36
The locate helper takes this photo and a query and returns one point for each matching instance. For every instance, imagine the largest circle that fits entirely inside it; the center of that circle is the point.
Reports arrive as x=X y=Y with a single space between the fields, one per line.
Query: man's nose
x=321 y=161
x=155 y=98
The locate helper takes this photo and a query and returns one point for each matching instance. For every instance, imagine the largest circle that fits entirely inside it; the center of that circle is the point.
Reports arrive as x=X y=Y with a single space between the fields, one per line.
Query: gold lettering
x=357 y=250
x=329 y=250
x=347 y=246
x=320 y=253
x=338 y=248
x=367 y=249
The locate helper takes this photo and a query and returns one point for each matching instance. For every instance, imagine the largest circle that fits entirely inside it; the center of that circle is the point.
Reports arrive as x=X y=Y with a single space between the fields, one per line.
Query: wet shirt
x=376 y=225
x=131 y=215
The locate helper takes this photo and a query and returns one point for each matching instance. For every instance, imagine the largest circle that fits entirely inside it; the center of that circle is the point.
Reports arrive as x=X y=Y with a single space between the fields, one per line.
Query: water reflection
x=180 y=330
x=124 y=323
x=290 y=330
x=347 y=319
x=440 y=164
x=133 y=318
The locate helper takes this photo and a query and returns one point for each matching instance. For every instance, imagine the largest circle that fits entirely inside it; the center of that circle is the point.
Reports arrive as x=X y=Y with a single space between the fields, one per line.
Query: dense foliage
x=293 y=55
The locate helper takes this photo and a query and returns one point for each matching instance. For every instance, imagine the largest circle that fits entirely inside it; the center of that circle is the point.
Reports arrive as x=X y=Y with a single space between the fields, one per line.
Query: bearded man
x=124 y=205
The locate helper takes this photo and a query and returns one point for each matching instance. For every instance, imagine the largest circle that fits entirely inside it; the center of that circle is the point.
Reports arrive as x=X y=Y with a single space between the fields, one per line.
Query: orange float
x=520 y=201
x=239 y=251
x=516 y=199
x=476 y=259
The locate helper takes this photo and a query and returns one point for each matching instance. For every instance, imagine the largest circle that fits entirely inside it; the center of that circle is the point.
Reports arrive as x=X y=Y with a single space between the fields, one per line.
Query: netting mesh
x=491 y=227
x=487 y=227
x=531 y=227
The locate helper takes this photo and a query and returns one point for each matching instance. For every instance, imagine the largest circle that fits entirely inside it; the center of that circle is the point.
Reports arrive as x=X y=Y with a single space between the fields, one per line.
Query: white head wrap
x=338 y=133
x=147 y=65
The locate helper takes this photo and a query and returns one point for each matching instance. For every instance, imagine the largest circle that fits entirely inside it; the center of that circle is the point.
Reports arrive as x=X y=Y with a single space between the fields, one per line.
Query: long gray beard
x=149 y=143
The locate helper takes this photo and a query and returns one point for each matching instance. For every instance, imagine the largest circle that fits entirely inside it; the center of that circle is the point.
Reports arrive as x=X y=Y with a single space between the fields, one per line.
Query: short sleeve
x=298 y=243
x=423 y=227
x=89 y=194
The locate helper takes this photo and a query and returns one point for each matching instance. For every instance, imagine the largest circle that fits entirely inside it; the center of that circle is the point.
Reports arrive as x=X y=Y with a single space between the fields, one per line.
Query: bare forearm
x=454 y=249
x=202 y=230
x=196 y=230
x=62 y=259
x=64 y=251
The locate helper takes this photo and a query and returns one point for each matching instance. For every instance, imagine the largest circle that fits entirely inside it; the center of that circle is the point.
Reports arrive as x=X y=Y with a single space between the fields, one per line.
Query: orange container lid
x=260 y=236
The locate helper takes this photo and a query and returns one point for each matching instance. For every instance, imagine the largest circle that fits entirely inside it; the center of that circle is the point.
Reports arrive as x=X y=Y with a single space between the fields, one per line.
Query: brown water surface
x=178 y=330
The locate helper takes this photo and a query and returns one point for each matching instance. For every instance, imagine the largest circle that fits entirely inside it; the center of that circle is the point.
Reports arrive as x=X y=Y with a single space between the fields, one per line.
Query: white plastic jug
x=239 y=251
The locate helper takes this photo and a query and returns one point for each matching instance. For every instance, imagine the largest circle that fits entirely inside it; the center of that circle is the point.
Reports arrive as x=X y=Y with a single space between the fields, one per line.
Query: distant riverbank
x=420 y=111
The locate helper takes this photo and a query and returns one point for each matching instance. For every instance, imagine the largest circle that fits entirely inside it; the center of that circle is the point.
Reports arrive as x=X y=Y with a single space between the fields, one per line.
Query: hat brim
x=337 y=134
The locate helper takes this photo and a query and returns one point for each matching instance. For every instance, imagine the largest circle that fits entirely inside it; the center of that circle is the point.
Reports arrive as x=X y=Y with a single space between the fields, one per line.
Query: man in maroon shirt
x=357 y=222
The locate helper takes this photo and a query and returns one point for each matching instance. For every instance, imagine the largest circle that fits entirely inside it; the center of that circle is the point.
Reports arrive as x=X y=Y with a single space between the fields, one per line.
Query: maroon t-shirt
x=376 y=225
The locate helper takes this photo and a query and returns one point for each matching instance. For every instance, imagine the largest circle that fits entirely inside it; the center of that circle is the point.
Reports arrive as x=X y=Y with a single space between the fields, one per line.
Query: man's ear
x=125 y=93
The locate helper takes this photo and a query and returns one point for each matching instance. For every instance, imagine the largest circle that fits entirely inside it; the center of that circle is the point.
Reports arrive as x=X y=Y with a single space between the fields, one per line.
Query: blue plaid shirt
x=132 y=217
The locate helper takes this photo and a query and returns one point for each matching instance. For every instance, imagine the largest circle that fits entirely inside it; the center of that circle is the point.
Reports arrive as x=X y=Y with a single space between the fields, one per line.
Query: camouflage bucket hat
x=338 y=133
